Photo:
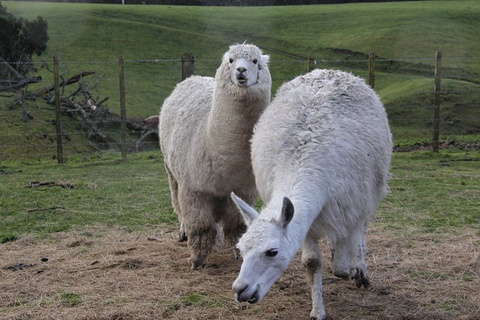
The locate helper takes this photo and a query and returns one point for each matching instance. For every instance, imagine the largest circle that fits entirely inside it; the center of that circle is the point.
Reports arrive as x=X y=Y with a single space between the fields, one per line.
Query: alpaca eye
x=231 y=60
x=255 y=61
x=271 y=253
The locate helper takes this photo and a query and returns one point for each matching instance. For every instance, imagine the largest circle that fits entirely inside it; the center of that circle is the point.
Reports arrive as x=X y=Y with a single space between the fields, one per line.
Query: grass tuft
x=70 y=299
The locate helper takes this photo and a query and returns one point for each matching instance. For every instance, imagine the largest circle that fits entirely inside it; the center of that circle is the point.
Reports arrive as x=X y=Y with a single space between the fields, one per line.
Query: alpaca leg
x=312 y=260
x=349 y=260
x=233 y=227
x=232 y=221
x=200 y=224
x=176 y=206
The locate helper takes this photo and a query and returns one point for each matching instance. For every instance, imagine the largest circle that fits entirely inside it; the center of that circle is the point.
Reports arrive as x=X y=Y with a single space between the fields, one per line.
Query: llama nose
x=241 y=69
x=239 y=287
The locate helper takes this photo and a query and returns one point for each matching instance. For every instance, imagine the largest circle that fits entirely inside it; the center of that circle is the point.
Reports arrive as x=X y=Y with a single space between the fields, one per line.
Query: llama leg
x=333 y=244
x=349 y=257
x=361 y=277
x=176 y=206
x=312 y=260
x=200 y=224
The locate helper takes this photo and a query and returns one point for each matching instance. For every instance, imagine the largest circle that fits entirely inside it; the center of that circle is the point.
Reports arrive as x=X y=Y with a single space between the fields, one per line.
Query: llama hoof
x=182 y=237
x=319 y=315
x=361 y=279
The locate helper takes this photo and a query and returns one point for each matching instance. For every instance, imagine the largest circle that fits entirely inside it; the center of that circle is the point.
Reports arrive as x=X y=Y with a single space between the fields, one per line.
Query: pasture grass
x=94 y=35
x=201 y=299
x=433 y=192
x=36 y=138
x=70 y=299
x=430 y=193
x=107 y=191
x=404 y=36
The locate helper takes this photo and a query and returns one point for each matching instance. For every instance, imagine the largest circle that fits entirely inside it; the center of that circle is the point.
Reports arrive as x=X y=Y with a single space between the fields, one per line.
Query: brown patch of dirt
x=442 y=145
x=119 y=275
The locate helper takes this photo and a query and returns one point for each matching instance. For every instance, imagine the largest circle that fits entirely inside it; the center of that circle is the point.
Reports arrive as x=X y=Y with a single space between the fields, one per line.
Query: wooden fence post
x=188 y=65
x=123 y=111
x=436 y=107
x=58 y=114
x=312 y=64
x=371 y=70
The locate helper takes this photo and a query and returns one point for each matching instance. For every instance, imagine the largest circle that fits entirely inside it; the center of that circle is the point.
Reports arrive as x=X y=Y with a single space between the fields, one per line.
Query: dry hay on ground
x=109 y=274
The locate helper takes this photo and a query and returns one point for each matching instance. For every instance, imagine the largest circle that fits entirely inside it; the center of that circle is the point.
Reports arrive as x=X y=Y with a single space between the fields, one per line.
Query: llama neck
x=306 y=211
x=233 y=117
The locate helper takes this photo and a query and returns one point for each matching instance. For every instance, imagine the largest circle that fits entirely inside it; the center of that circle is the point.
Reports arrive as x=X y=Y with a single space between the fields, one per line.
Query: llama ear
x=249 y=214
x=287 y=211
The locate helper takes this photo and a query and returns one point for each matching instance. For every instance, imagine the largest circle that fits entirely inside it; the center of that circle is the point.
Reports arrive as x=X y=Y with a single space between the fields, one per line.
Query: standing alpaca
x=205 y=129
x=321 y=154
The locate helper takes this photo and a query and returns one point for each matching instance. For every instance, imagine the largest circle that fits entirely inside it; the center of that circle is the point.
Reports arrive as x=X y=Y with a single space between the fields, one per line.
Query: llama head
x=264 y=249
x=245 y=66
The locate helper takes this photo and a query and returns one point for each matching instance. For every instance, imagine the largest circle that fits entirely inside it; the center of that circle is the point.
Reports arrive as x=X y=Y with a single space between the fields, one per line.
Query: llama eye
x=271 y=253
x=231 y=60
x=255 y=61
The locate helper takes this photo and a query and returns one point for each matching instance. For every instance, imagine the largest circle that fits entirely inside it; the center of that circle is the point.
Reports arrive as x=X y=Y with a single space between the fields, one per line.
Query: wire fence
x=92 y=122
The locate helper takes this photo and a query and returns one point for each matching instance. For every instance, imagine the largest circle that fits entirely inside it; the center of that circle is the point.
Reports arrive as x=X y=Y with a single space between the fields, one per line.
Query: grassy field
x=404 y=36
x=99 y=33
x=429 y=193
x=136 y=198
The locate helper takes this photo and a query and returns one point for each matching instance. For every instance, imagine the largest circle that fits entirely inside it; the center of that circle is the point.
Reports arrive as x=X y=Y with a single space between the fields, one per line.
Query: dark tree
x=20 y=39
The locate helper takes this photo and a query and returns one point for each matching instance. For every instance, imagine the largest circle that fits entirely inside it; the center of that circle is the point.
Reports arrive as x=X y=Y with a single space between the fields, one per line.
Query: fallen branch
x=102 y=101
x=97 y=133
x=20 y=83
x=12 y=70
x=143 y=137
x=63 y=184
x=45 y=209
x=465 y=159
x=74 y=79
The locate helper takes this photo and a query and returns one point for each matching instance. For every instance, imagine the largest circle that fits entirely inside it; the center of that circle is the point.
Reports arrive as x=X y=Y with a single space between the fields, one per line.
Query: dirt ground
x=113 y=274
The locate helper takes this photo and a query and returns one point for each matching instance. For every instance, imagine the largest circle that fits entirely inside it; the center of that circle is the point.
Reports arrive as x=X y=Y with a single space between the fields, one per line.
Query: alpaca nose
x=241 y=69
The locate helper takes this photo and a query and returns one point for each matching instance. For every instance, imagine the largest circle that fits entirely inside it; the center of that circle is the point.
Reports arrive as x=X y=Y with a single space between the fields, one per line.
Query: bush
x=19 y=40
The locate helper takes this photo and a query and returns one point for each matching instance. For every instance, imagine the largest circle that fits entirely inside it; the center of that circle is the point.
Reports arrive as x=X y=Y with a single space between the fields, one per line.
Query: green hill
x=403 y=35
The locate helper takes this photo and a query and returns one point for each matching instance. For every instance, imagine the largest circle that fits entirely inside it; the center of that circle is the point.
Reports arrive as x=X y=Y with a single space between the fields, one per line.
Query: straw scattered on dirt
x=113 y=274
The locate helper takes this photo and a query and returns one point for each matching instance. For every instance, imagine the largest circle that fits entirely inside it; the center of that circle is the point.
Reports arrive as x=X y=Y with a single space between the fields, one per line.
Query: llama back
x=327 y=132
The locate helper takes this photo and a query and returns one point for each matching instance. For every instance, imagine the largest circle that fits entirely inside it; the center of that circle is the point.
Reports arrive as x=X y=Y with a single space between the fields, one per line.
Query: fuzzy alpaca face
x=264 y=249
x=244 y=63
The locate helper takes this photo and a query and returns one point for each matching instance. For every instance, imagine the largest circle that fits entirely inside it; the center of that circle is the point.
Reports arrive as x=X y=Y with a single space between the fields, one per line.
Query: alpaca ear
x=225 y=56
x=265 y=58
x=287 y=211
x=249 y=214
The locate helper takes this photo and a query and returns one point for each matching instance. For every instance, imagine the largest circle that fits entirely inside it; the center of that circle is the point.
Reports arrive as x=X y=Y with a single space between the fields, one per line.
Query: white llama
x=205 y=128
x=321 y=154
